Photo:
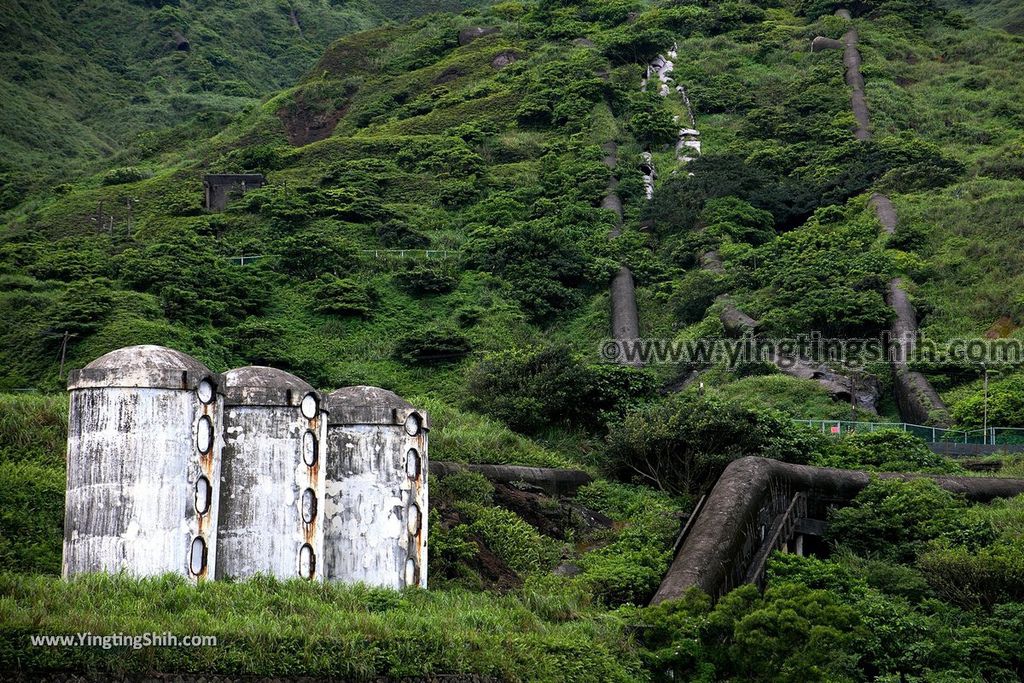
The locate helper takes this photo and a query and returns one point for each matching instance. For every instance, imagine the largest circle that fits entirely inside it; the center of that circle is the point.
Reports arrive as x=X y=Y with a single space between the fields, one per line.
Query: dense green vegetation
x=488 y=154
x=122 y=79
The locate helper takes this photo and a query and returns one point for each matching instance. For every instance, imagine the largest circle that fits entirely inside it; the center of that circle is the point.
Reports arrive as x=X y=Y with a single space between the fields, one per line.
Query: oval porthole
x=205 y=391
x=410 y=572
x=310 y=449
x=308 y=506
x=309 y=406
x=412 y=424
x=414 y=519
x=307 y=561
x=197 y=556
x=203 y=495
x=204 y=434
x=412 y=463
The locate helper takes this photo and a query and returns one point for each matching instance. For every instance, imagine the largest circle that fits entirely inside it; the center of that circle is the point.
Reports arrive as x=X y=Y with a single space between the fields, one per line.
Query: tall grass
x=271 y=628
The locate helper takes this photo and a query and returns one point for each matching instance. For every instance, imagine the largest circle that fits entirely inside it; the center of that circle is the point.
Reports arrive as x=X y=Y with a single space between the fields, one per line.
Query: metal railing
x=991 y=436
x=244 y=260
x=410 y=253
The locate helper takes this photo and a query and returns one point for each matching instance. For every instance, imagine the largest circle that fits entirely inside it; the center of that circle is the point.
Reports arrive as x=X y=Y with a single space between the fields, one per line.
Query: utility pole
x=984 y=424
x=63 y=353
x=853 y=395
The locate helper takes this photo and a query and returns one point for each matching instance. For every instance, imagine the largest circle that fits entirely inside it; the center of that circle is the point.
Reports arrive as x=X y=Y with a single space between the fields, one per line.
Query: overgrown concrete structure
x=174 y=468
x=221 y=188
x=375 y=515
x=143 y=465
x=760 y=505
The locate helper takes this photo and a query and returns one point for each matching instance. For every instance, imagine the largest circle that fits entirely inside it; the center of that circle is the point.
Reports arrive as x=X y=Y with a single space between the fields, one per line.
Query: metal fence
x=990 y=436
x=410 y=253
x=244 y=260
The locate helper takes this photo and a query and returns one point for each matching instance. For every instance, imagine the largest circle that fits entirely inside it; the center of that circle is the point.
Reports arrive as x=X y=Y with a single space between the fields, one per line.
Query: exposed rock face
x=468 y=35
x=304 y=122
x=712 y=262
x=503 y=59
x=735 y=321
x=727 y=525
x=583 y=42
x=863 y=391
x=647 y=168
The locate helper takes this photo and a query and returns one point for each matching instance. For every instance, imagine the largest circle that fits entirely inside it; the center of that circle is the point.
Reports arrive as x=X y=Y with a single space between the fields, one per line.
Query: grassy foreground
x=272 y=628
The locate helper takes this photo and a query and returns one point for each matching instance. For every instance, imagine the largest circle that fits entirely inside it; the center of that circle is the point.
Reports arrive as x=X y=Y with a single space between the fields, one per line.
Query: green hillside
x=432 y=224
x=87 y=81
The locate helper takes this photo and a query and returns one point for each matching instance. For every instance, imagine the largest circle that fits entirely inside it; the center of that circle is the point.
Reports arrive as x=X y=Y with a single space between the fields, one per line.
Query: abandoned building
x=221 y=188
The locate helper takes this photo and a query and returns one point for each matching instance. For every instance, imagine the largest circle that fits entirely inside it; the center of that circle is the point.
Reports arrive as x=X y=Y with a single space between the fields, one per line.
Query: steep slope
x=82 y=81
x=435 y=193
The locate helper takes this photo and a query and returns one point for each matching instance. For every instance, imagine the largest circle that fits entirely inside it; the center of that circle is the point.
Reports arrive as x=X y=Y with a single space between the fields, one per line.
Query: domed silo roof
x=264 y=386
x=366 y=405
x=144 y=366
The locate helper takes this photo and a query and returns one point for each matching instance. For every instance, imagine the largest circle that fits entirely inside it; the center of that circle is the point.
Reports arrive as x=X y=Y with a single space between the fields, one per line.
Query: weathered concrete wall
x=734 y=514
x=220 y=188
x=142 y=465
x=376 y=499
x=273 y=490
x=855 y=80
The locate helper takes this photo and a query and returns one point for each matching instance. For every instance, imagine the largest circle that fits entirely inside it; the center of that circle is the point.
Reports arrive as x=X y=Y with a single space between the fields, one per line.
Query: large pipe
x=552 y=480
x=715 y=543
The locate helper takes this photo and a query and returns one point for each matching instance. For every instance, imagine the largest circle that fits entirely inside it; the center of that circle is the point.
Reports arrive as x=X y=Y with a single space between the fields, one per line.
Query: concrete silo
x=273 y=487
x=376 y=500
x=143 y=465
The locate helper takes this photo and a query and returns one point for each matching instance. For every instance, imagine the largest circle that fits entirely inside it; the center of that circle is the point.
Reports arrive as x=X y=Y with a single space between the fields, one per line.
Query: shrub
x=424 y=278
x=976 y=577
x=465 y=486
x=123 y=176
x=313 y=252
x=549 y=385
x=887 y=450
x=682 y=444
x=895 y=518
x=433 y=344
x=517 y=544
x=342 y=296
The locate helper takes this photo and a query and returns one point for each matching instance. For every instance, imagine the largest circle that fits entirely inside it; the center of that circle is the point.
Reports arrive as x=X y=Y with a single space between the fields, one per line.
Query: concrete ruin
x=143 y=465
x=375 y=518
x=221 y=188
x=625 y=317
x=760 y=505
x=174 y=468
x=272 y=486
